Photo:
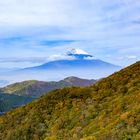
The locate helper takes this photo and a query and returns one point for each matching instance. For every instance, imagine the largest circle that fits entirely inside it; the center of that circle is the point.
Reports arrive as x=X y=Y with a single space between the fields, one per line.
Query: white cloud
x=65 y=12
x=131 y=56
x=60 y=57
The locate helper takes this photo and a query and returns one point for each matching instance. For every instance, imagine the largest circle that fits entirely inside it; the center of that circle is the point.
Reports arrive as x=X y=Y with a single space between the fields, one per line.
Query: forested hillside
x=108 y=110
x=8 y=102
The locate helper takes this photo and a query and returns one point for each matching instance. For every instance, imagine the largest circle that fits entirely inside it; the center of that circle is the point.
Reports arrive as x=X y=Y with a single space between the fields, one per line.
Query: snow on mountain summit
x=77 y=52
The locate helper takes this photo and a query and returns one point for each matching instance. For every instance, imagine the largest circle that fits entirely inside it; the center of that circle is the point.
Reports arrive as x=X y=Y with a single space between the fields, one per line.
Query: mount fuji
x=76 y=62
x=76 y=59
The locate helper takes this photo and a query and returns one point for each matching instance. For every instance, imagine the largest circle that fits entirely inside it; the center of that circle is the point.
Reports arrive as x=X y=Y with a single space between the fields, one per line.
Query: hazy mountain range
x=3 y=83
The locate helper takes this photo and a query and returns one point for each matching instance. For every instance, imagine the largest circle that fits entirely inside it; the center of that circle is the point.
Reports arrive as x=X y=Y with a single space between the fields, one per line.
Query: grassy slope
x=107 y=110
x=18 y=86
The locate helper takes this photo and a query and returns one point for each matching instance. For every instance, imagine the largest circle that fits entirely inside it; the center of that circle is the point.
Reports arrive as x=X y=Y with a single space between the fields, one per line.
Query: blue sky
x=33 y=31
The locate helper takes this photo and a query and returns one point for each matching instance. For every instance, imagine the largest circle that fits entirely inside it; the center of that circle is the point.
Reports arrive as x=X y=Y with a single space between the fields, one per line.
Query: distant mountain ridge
x=36 y=89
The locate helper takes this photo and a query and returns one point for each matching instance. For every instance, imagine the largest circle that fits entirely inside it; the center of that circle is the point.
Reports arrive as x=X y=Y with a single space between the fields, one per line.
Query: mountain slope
x=38 y=88
x=77 y=63
x=108 y=110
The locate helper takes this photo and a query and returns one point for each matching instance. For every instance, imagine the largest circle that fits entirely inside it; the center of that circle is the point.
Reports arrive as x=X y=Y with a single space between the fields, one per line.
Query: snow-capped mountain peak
x=77 y=52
